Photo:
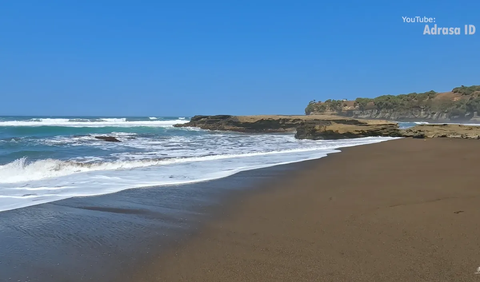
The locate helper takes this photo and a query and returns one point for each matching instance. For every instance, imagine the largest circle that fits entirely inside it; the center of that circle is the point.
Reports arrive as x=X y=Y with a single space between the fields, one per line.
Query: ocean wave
x=112 y=119
x=24 y=183
x=86 y=139
x=21 y=170
x=100 y=122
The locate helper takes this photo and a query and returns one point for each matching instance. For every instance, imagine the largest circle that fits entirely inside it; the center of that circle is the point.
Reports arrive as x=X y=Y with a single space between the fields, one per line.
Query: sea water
x=45 y=159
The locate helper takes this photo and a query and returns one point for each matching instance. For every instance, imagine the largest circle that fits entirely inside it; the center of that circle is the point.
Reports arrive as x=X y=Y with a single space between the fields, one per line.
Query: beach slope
x=403 y=210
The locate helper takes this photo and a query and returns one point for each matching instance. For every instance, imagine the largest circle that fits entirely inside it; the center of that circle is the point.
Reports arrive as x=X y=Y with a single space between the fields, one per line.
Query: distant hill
x=460 y=104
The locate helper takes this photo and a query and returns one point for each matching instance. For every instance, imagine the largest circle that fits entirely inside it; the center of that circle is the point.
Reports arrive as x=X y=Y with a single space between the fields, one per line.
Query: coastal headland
x=461 y=104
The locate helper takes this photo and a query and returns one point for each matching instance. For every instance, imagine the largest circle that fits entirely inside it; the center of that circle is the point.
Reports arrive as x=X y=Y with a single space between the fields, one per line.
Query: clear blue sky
x=98 y=57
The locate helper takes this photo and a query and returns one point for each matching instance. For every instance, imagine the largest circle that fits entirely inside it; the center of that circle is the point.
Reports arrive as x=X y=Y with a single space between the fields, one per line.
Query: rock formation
x=244 y=123
x=339 y=131
x=267 y=123
x=334 y=130
x=107 y=138
x=329 y=127
x=442 y=131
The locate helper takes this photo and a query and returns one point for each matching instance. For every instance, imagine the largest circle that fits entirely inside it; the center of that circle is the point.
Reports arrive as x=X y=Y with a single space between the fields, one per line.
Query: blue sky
x=224 y=57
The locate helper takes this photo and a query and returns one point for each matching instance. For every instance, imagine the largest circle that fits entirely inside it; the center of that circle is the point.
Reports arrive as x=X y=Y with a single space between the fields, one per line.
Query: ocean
x=46 y=159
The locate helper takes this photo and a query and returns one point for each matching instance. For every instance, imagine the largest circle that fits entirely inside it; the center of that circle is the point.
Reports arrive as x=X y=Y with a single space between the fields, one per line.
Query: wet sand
x=108 y=238
x=403 y=210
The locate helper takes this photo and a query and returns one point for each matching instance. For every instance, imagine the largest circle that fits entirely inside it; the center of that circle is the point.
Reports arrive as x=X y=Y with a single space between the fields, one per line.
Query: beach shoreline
x=402 y=210
x=109 y=237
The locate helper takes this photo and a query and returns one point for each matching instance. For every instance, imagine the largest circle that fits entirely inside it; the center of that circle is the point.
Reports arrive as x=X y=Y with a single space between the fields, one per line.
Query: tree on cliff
x=362 y=103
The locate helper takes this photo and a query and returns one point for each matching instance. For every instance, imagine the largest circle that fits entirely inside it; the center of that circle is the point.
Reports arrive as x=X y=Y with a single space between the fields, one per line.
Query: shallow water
x=110 y=237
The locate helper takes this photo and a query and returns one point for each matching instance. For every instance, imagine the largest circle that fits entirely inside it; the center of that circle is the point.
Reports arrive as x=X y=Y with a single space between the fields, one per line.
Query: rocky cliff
x=400 y=115
x=460 y=104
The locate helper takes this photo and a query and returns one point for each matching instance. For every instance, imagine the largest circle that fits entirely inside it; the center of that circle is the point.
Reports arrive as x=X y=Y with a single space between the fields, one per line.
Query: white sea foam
x=20 y=171
x=103 y=122
x=425 y=122
x=113 y=119
x=24 y=183
x=153 y=118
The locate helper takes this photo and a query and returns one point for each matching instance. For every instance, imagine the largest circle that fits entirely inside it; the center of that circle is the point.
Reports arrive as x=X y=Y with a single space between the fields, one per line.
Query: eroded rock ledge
x=246 y=123
x=334 y=130
x=307 y=127
x=443 y=131
x=329 y=127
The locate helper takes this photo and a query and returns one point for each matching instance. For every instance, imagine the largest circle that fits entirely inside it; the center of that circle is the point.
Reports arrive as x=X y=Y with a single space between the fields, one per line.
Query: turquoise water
x=71 y=137
x=404 y=125
x=44 y=159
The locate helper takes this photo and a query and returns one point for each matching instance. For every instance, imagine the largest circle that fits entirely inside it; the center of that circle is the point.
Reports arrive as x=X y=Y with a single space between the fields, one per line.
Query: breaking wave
x=99 y=122
x=21 y=170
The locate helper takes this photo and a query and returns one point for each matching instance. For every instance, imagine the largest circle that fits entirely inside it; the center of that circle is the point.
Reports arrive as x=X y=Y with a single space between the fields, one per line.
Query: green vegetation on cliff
x=466 y=90
x=461 y=102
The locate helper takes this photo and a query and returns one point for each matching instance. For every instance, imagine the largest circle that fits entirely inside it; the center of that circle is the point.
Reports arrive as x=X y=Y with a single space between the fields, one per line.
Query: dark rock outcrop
x=442 y=131
x=266 y=123
x=244 y=123
x=307 y=127
x=339 y=131
x=329 y=127
x=334 y=130
x=107 y=138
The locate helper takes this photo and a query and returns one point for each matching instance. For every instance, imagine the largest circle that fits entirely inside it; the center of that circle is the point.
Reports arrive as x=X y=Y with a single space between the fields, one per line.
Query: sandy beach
x=403 y=210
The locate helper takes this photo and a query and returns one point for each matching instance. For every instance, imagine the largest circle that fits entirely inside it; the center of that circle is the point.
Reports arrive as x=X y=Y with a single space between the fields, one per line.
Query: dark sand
x=108 y=238
x=404 y=210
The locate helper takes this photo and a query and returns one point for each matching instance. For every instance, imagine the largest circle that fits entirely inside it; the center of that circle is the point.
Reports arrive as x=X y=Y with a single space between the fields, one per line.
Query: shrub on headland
x=466 y=90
